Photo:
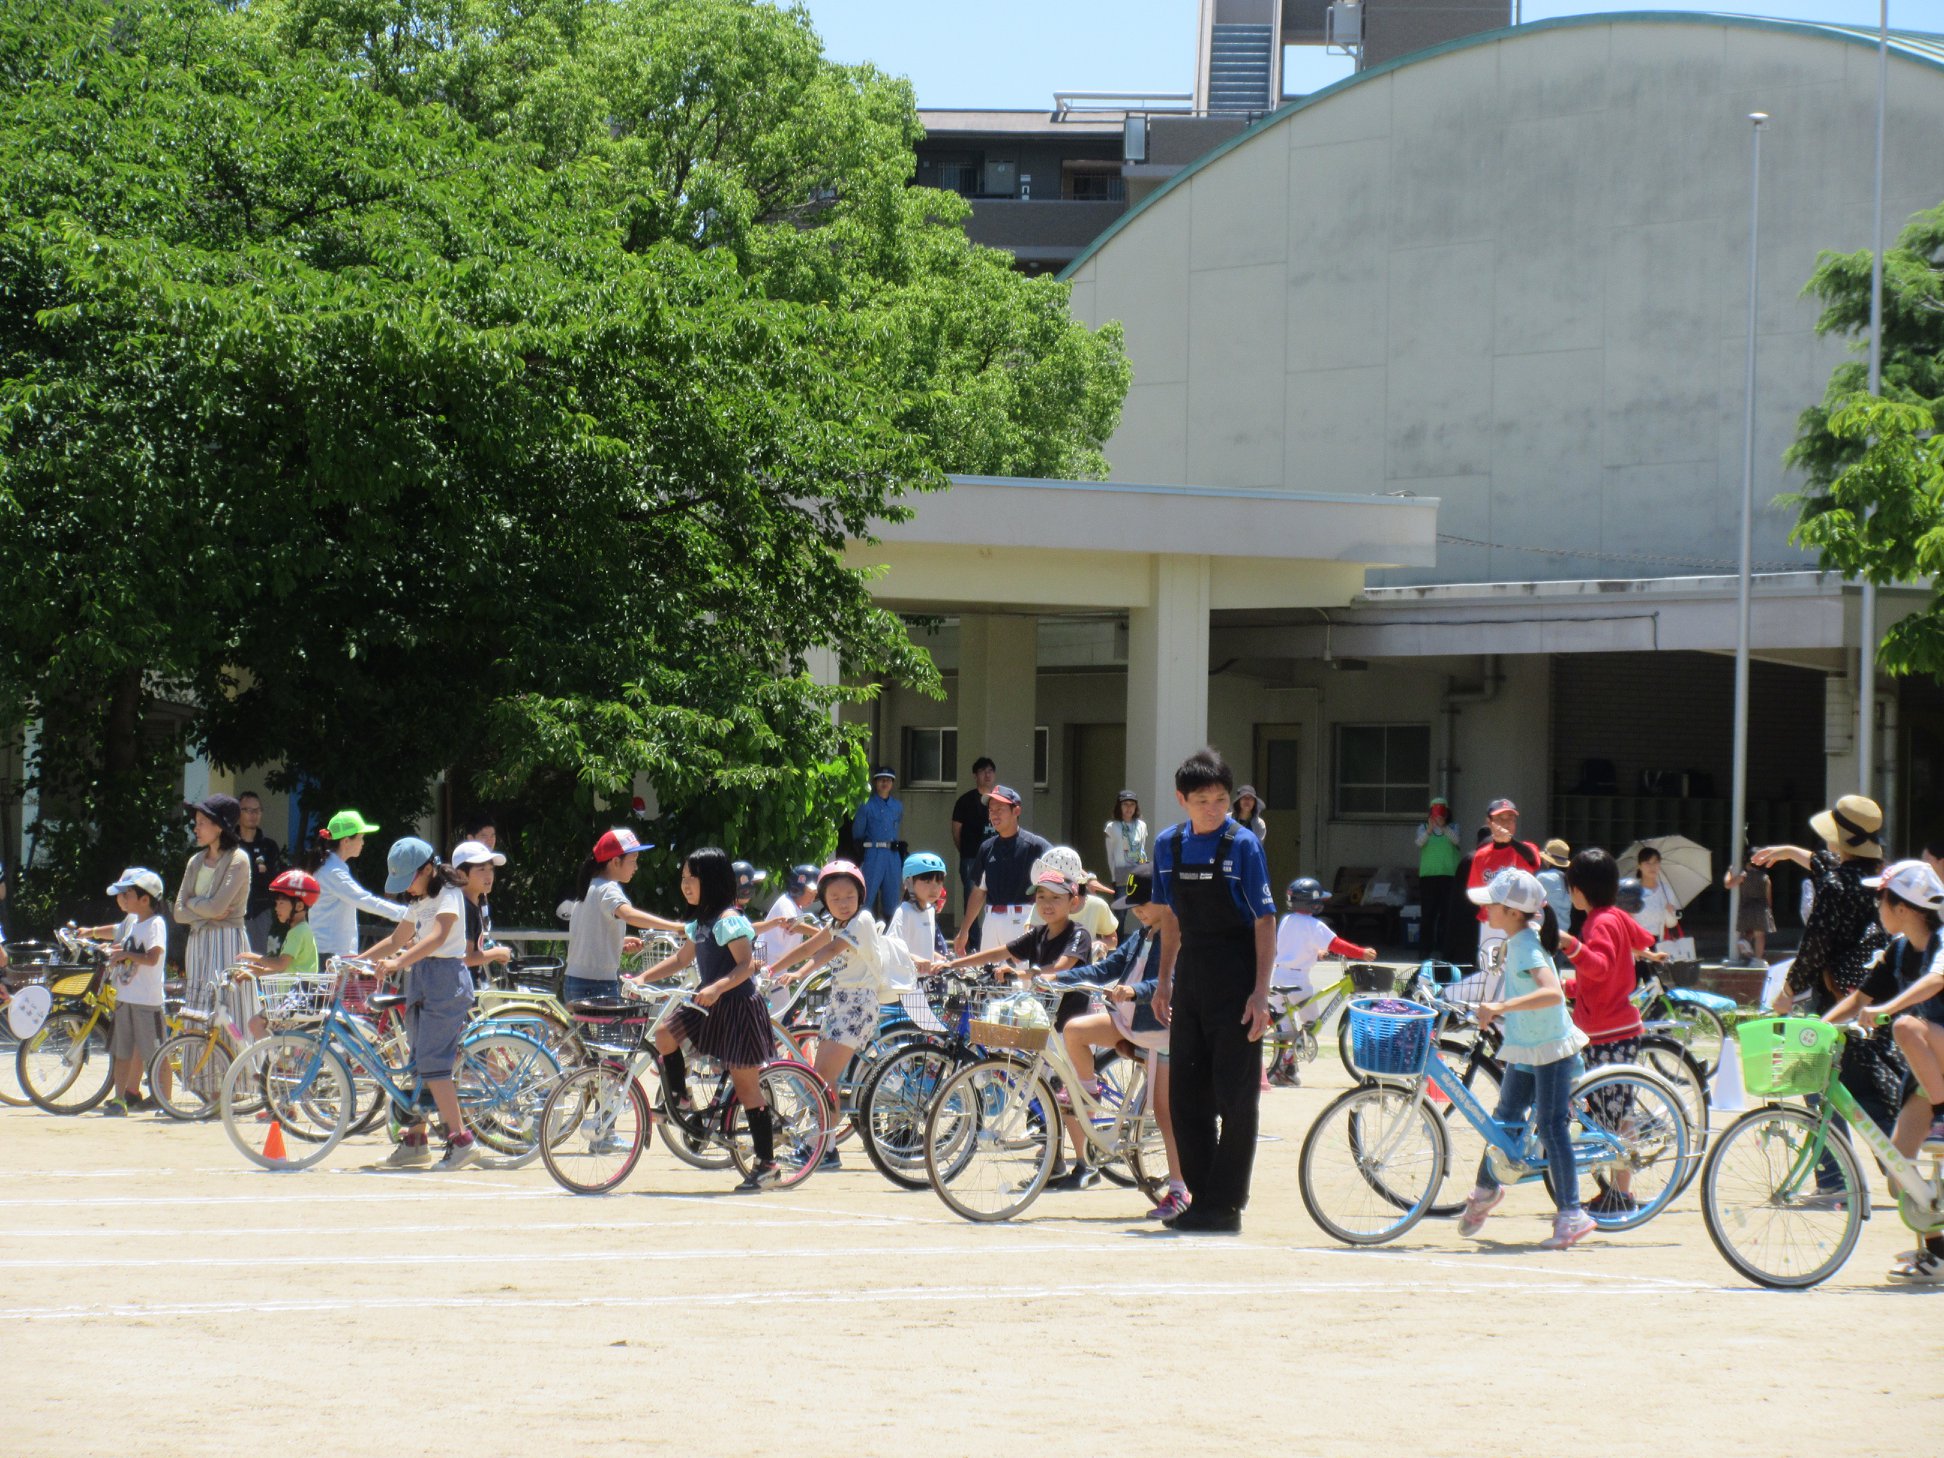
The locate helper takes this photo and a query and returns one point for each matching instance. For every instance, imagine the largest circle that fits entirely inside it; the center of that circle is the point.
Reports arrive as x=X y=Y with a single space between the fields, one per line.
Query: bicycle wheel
x=1630 y=1134
x=891 y=1112
x=1464 y=1144
x=65 y=1068
x=503 y=1080
x=801 y=1119
x=695 y=1146
x=1372 y=1164
x=1677 y=1066
x=11 y=1093
x=1764 y=1210
x=1147 y=1151
x=990 y=1139
x=1702 y=1031
x=192 y=1066
x=595 y=1125
x=297 y=1079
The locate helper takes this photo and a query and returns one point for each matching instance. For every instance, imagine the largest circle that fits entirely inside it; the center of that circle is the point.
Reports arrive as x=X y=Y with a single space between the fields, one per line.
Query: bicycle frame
x=1590 y=1148
x=1916 y=1189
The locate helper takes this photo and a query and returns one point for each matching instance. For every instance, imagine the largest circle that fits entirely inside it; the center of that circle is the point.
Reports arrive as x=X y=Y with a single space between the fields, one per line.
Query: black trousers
x=1434 y=913
x=972 y=929
x=1216 y=1074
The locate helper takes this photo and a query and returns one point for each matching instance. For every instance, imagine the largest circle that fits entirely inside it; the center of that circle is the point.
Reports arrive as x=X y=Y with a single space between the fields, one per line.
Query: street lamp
x=1738 y=811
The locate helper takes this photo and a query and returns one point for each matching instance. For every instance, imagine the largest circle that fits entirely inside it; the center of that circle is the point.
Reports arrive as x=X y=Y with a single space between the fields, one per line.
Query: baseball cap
x=1519 y=890
x=138 y=878
x=1047 y=876
x=347 y=823
x=1500 y=806
x=619 y=842
x=1126 y=795
x=475 y=853
x=1911 y=881
x=223 y=809
x=1005 y=794
x=1557 y=853
x=407 y=857
x=1139 y=890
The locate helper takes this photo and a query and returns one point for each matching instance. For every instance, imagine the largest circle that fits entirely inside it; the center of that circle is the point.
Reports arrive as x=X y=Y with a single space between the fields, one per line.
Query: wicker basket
x=1005 y=1035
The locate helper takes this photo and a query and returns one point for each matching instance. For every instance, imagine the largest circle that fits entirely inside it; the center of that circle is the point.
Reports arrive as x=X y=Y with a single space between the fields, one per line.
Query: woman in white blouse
x=1126 y=839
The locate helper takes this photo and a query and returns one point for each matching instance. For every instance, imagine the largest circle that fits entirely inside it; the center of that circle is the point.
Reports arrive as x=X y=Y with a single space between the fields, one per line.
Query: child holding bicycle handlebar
x=1541 y=1050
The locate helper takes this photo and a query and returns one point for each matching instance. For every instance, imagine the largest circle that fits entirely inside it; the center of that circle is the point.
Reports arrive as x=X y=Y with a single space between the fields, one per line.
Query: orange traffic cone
x=273 y=1145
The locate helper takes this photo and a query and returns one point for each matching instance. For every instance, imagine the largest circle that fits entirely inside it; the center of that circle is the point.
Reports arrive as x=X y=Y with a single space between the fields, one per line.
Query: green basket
x=1787 y=1057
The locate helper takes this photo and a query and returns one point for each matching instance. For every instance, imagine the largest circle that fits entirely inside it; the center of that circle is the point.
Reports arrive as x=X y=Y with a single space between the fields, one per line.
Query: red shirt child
x=1603 y=981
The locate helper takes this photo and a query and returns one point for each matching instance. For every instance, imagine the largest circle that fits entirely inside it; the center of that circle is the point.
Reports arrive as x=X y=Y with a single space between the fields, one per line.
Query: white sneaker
x=407 y=1156
x=1569 y=1228
x=458 y=1155
x=1478 y=1204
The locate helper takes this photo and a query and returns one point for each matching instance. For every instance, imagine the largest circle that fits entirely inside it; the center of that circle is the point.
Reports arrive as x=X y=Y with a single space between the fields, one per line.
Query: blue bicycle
x=1376 y=1157
x=304 y=1079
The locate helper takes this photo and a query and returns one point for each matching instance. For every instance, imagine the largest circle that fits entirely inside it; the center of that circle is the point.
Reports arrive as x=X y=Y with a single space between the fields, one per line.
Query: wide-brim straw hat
x=1853 y=826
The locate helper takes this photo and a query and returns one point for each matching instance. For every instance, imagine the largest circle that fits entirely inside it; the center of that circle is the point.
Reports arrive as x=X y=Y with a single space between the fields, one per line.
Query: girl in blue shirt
x=1541 y=1049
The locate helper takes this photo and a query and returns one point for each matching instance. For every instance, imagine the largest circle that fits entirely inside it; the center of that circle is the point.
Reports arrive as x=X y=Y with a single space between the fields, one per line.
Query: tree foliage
x=486 y=389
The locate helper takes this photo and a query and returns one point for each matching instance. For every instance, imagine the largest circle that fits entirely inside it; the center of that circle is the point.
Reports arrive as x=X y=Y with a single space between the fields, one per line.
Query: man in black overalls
x=1218 y=944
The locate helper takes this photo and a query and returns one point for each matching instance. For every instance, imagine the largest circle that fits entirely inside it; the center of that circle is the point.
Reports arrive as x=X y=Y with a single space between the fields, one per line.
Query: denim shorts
x=437 y=1009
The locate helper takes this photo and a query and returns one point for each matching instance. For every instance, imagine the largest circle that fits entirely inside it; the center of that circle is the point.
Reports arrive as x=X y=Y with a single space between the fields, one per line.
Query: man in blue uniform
x=1218 y=945
x=876 y=826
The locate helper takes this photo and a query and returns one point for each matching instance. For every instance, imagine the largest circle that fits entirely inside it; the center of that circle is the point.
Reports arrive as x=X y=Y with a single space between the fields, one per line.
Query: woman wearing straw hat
x=1841 y=938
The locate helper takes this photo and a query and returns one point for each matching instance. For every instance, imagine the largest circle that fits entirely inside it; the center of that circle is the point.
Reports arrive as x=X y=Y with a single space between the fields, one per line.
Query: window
x=1383 y=771
x=931 y=758
x=1042 y=755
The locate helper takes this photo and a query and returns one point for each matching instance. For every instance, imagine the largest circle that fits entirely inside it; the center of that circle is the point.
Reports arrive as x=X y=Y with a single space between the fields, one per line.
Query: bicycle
x=305 y=1078
x=896 y=1096
x=993 y=1131
x=1695 y=1018
x=186 y=1071
x=52 y=1064
x=1373 y=1162
x=1287 y=1048
x=1783 y=1194
x=594 y=1124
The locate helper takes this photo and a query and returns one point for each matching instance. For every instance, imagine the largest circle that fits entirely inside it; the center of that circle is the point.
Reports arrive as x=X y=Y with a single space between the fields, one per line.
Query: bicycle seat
x=598 y=1007
x=381 y=1001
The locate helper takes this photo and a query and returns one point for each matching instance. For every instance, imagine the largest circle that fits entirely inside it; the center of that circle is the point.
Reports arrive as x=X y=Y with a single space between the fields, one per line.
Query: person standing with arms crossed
x=970 y=827
x=1002 y=876
x=1218 y=945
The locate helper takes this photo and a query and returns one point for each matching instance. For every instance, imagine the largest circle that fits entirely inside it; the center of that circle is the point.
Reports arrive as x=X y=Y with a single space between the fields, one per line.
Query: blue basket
x=1390 y=1038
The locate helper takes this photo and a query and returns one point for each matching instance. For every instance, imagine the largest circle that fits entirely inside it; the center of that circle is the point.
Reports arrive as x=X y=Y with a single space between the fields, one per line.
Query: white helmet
x=1062 y=860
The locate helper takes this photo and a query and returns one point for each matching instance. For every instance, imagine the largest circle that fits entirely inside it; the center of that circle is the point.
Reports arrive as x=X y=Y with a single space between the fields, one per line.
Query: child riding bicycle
x=1301 y=941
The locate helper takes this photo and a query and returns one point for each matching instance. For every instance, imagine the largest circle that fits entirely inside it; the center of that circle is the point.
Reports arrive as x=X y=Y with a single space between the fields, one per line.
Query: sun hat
x=1062 y=860
x=1557 y=854
x=1005 y=794
x=1250 y=791
x=138 y=878
x=1911 y=881
x=347 y=823
x=1500 y=806
x=1519 y=890
x=223 y=809
x=1852 y=826
x=475 y=853
x=617 y=843
x=408 y=856
x=1139 y=890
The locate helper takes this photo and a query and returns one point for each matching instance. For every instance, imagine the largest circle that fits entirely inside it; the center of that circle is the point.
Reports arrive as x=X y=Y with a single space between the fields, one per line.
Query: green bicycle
x=1783 y=1193
x=1291 y=1039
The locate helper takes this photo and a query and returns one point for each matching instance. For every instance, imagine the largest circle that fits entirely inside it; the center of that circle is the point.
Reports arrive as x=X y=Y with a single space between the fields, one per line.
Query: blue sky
x=1017 y=53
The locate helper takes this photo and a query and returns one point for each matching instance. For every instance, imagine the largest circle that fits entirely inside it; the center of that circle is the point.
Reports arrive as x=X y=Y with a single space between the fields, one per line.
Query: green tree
x=363 y=386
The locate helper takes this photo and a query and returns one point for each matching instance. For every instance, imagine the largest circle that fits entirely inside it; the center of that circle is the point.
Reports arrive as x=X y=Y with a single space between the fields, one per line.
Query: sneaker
x=1569 y=1228
x=408 y=1155
x=1080 y=1177
x=765 y=1176
x=1170 y=1207
x=1197 y=1221
x=1925 y=1268
x=459 y=1152
x=1478 y=1204
x=1613 y=1203
x=140 y=1104
x=1936 y=1135
x=115 y=1108
x=830 y=1159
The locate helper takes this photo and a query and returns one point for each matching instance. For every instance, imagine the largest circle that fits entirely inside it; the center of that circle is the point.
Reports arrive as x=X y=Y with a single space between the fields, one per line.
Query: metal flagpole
x=1866 y=614
x=1738 y=812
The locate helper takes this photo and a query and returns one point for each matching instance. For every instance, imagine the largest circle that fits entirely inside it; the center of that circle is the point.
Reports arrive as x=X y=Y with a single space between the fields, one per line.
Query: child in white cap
x=1541 y=1049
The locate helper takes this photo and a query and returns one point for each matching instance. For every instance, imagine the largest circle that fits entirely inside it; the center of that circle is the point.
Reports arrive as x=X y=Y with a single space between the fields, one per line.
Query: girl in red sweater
x=1601 y=991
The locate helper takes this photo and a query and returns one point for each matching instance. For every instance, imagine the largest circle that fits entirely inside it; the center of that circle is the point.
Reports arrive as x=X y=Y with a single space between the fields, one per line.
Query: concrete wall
x=1511 y=276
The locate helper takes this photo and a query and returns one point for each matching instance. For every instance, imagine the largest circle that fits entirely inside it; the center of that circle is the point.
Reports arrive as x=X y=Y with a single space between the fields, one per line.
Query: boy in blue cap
x=877 y=825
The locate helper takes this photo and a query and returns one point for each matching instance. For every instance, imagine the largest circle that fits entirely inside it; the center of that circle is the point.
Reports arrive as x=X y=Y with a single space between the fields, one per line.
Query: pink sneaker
x=1569 y=1228
x=1479 y=1204
x=1170 y=1207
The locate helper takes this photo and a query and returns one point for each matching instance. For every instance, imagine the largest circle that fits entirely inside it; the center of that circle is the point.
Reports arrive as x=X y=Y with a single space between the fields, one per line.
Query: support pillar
x=1167 y=683
x=998 y=698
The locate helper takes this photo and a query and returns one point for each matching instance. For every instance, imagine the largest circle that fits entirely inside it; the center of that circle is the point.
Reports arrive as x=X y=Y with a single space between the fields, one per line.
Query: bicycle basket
x=1019 y=1021
x=1783 y=1057
x=75 y=984
x=294 y=997
x=1477 y=986
x=1006 y=1035
x=1389 y=1037
x=1365 y=977
x=624 y=1028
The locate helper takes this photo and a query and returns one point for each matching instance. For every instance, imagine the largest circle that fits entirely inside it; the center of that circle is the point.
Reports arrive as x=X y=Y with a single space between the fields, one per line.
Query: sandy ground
x=163 y=1297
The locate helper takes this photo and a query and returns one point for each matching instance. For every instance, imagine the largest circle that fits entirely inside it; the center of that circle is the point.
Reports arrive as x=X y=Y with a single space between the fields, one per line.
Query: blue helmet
x=803 y=878
x=748 y=878
x=1305 y=893
x=923 y=863
x=1631 y=896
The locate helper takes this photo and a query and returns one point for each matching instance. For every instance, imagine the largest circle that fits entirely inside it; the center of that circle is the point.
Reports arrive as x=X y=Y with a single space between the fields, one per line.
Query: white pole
x=1866 y=613
x=1738 y=812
